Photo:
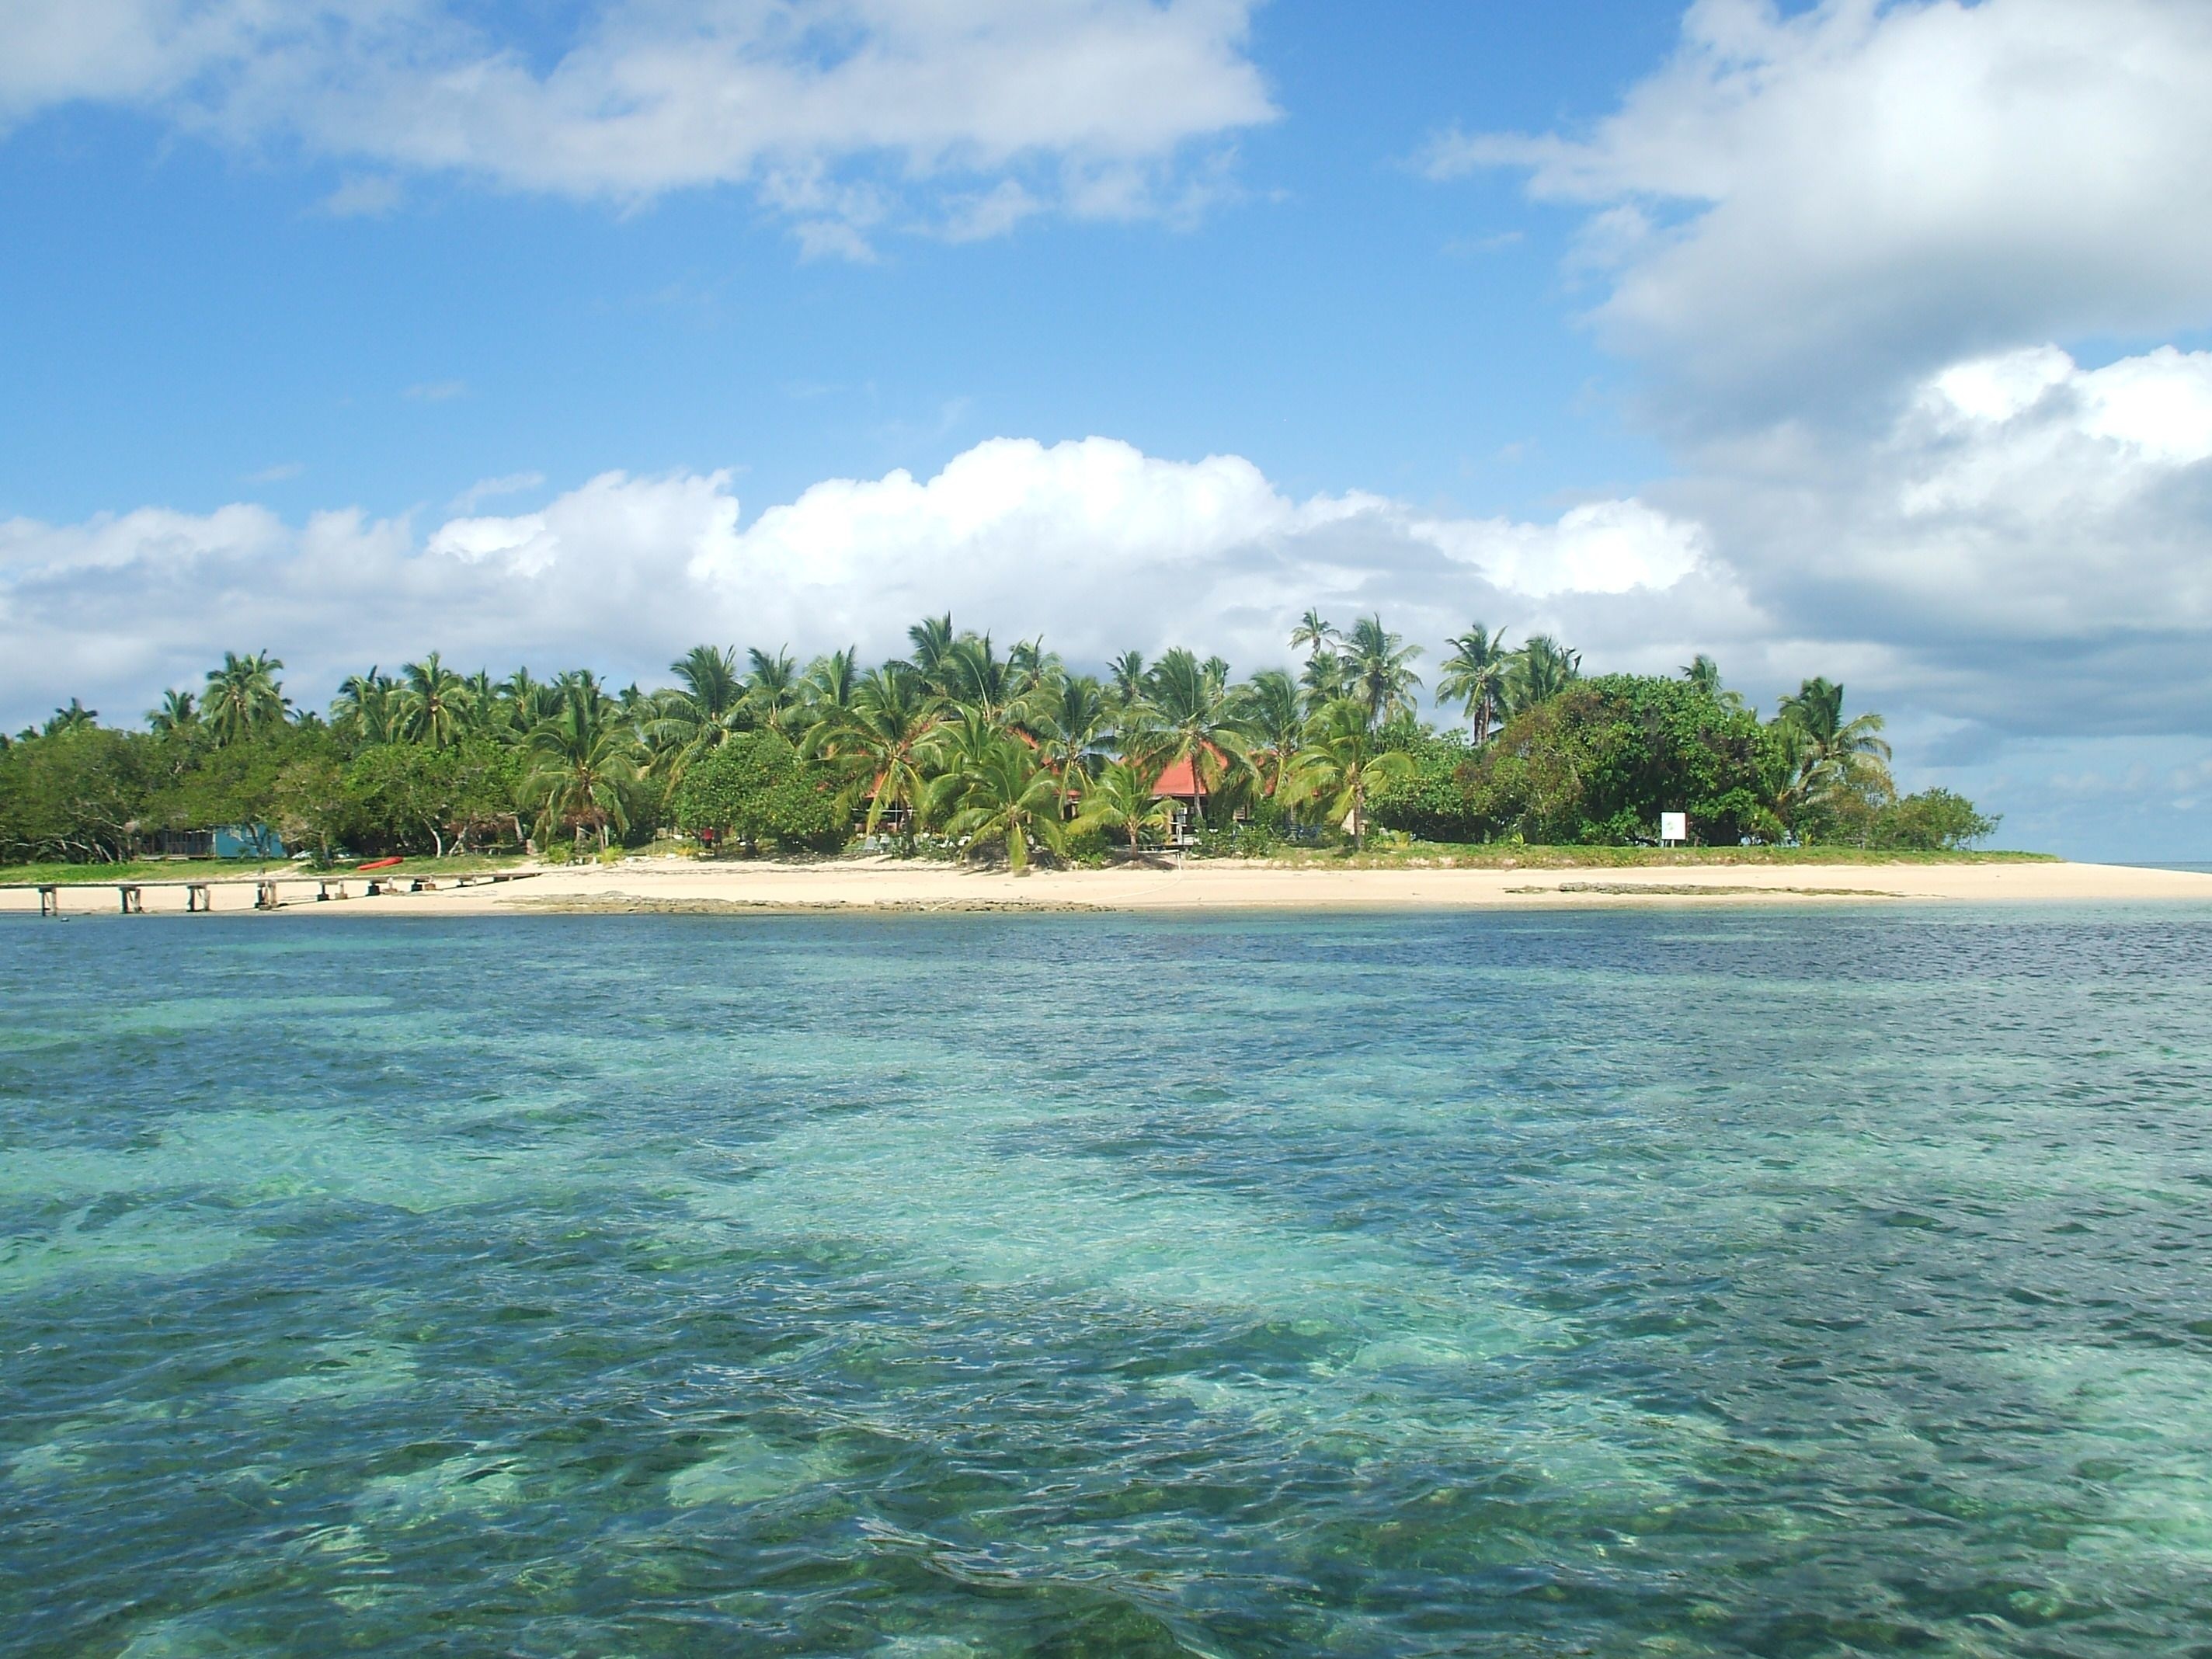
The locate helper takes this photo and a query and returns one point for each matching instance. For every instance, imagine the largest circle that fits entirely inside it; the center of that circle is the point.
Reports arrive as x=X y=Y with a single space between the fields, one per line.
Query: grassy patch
x=234 y=869
x=1438 y=855
x=138 y=870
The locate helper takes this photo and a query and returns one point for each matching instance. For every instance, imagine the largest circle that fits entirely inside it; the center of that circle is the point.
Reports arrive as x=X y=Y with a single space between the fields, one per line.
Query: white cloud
x=1840 y=239
x=369 y=198
x=438 y=391
x=833 y=109
x=1093 y=544
x=486 y=489
x=1601 y=547
x=1818 y=204
x=112 y=49
x=991 y=213
x=2025 y=550
x=2029 y=544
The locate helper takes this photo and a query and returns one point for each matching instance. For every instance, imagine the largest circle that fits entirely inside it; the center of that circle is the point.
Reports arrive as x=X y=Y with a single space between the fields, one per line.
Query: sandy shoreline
x=675 y=885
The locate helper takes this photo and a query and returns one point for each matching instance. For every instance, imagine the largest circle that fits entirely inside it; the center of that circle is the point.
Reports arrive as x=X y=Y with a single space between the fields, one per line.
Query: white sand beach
x=690 y=885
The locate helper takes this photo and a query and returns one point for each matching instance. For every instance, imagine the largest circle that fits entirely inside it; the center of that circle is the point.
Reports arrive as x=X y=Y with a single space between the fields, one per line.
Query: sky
x=1871 y=340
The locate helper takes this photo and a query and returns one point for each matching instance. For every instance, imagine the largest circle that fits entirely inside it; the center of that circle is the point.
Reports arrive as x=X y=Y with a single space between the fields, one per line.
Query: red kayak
x=378 y=864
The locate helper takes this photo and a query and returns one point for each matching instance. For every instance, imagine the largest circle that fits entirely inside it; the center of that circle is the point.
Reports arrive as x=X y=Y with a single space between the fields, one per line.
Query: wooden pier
x=269 y=892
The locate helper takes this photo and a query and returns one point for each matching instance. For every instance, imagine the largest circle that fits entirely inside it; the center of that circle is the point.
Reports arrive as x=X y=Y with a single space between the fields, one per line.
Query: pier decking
x=269 y=890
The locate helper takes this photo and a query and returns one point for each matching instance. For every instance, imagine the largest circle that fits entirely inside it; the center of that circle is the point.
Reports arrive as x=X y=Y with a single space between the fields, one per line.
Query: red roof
x=1180 y=779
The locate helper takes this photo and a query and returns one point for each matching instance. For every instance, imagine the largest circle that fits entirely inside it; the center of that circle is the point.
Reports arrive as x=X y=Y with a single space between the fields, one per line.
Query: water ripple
x=1774 y=1284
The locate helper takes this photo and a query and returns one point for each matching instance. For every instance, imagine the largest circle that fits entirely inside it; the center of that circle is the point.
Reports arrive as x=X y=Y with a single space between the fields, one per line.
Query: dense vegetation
x=958 y=745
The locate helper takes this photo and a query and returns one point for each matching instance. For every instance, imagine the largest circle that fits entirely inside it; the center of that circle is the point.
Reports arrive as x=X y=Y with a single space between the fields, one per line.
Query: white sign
x=1674 y=826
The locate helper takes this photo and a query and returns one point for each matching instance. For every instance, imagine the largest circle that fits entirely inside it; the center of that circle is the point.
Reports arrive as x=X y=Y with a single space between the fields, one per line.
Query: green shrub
x=757 y=787
x=1435 y=804
x=1935 y=820
x=1088 y=848
x=1598 y=764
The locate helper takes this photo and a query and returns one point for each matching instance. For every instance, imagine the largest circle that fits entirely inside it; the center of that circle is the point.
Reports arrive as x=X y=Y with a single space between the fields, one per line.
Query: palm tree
x=702 y=714
x=584 y=769
x=362 y=708
x=1313 y=633
x=831 y=682
x=885 y=733
x=932 y=638
x=711 y=680
x=1540 y=671
x=434 y=702
x=525 y=702
x=1007 y=795
x=1030 y=664
x=74 y=718
x=1325 y=678
x=244 y=696
x=1070 y=720
x=1382 y=674
x=1701 y=671
x=578 y=682
x=484 y=700
x=1342 y=764
x=961 y=736
x=1127 y=675
x=1833 y=754
x=1268 y=713
x=1474 y=675
x=178 y=713
x=974 y=677
x=772 y=688
x=1121 y=797
x=1194 y=722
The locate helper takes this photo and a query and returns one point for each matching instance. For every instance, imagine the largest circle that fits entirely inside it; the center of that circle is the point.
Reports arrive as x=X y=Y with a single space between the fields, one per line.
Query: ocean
x=1611 y=1283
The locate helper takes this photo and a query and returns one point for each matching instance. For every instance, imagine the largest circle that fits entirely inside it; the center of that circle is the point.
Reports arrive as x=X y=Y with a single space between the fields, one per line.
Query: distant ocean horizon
x=1606 y=1282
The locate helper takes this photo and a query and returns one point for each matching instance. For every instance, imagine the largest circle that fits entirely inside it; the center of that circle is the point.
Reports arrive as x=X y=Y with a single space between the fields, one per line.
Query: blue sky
x=1338 y=318
x=1855 y=338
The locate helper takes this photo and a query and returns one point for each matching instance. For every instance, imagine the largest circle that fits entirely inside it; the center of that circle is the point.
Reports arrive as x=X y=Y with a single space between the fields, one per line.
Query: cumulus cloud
x=1824 y=201
x=1092 y=543
x=2021 y=554
x=835 y=109
x=1847 y=244
x=2029 y=544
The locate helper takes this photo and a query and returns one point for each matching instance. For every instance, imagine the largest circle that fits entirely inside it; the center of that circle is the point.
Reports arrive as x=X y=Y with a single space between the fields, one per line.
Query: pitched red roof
x=1180 y=779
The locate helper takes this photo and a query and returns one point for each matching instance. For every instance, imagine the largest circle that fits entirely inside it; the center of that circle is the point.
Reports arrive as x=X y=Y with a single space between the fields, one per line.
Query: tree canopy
x=964 y=744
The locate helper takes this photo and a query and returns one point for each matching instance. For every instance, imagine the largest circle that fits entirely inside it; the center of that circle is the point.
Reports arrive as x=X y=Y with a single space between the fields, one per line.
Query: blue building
x=228 y=841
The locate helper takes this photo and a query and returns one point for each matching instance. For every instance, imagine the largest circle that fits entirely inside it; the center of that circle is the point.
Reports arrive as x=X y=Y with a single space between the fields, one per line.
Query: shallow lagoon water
x=1613 y=1283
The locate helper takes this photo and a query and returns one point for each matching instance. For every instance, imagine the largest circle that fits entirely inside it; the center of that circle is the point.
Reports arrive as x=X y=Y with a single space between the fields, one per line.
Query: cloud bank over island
x=1090 y=542
x=2022 y=517
x=1908 y=287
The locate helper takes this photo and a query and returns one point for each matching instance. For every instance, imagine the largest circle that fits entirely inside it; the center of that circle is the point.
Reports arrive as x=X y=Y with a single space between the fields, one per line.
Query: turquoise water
x=1605 y=1284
